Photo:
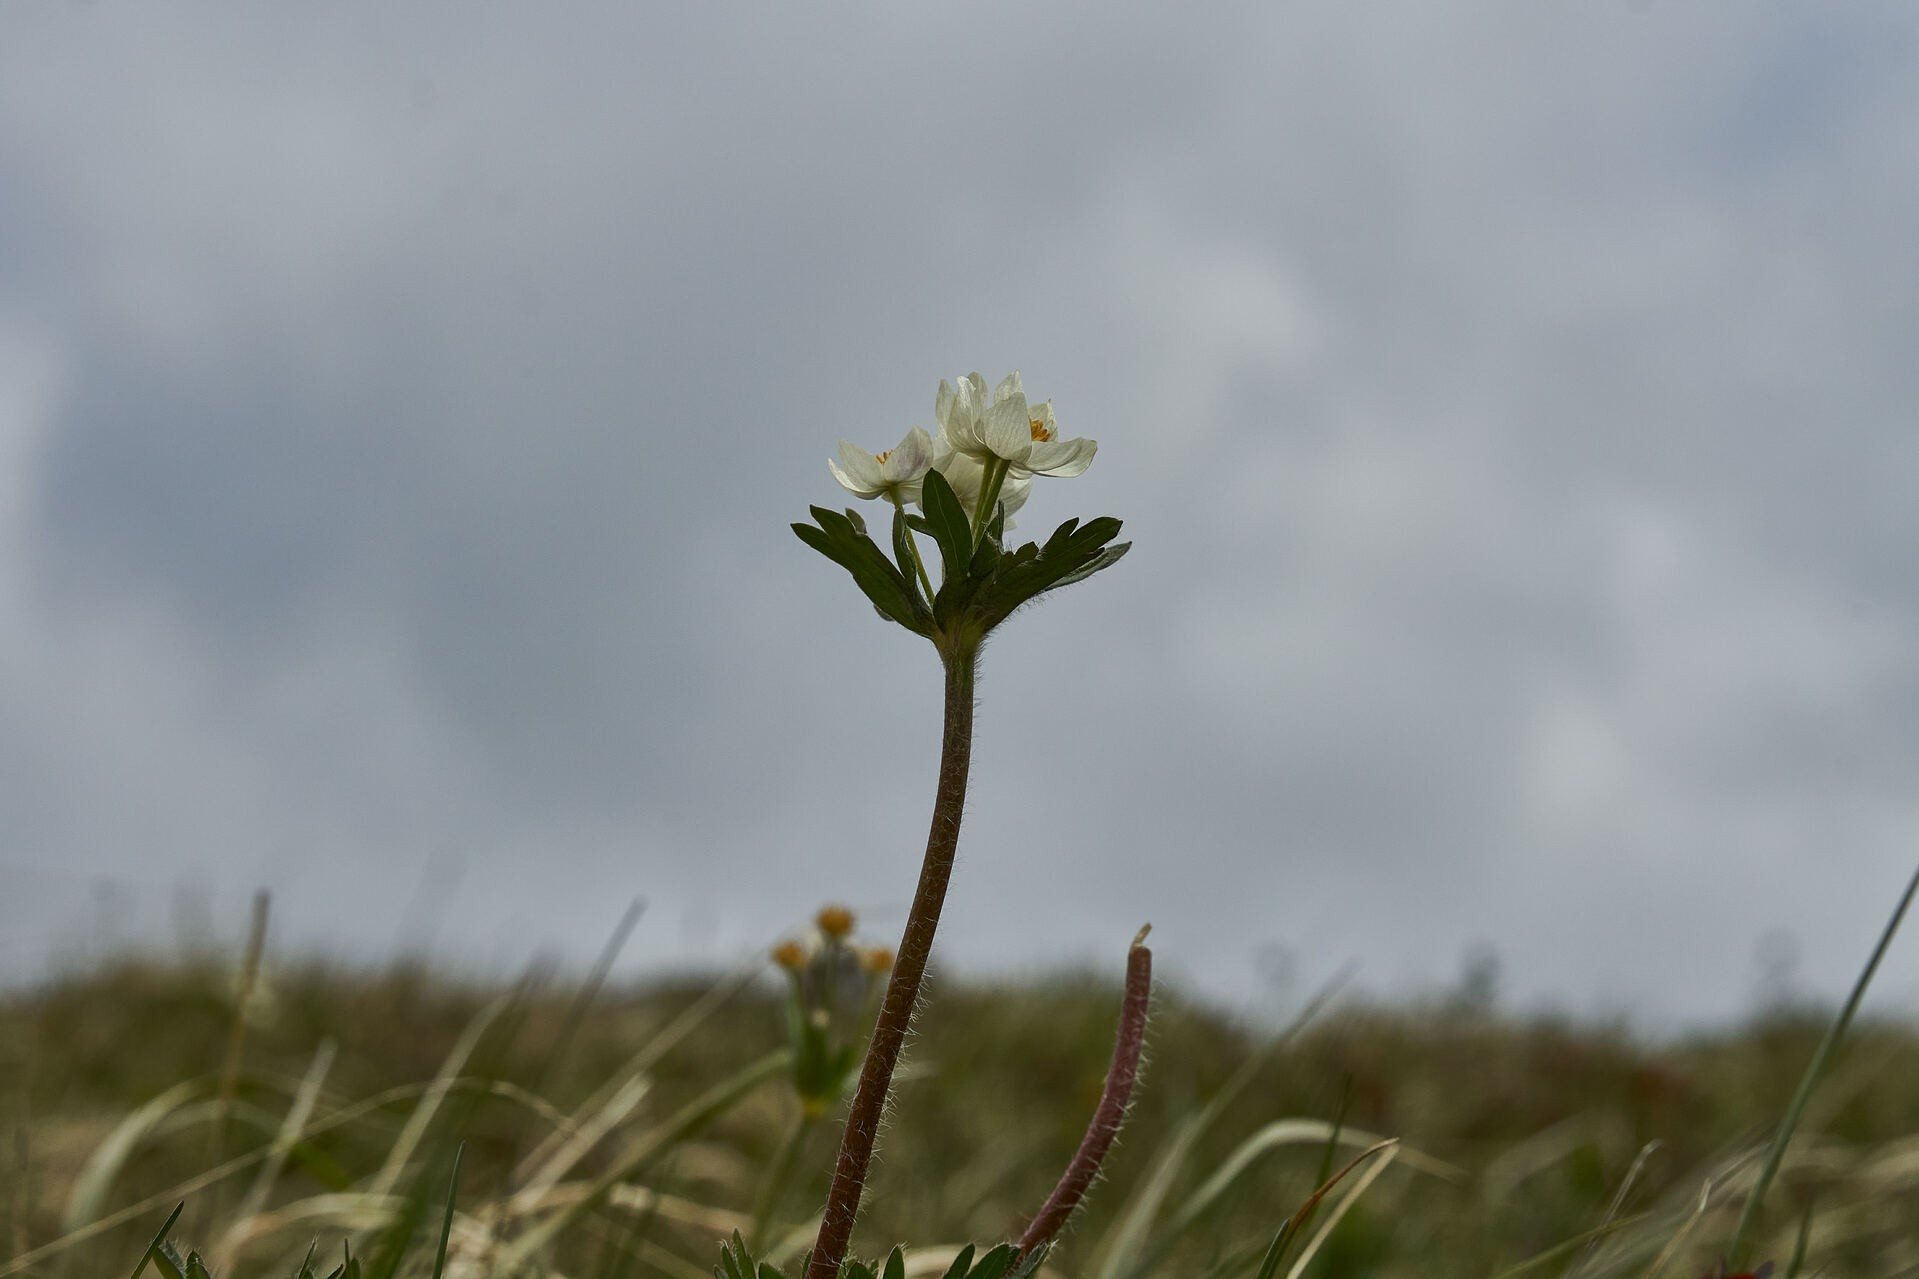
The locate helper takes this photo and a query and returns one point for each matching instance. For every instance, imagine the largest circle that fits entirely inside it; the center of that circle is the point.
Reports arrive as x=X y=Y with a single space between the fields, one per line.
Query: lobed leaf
x=1072 y=554
x=995 y=1263
x=946 y=520
x=842 y=538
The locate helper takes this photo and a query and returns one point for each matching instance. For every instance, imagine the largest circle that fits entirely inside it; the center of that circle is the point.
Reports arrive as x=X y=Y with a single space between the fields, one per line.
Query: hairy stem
x=909 y=970
x=1111 y=1113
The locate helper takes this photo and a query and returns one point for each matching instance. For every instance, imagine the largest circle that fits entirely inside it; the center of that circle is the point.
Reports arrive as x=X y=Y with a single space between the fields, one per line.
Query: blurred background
x=401 y=412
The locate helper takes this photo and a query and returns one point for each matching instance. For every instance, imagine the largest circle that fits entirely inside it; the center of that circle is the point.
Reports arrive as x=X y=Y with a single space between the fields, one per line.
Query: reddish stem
x=909 y=969
x=1111 y=1113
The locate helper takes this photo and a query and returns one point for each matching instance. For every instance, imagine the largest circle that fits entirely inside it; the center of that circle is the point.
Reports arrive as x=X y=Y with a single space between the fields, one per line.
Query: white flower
x=966 y=476
x=895 y=474
x=1027 y=437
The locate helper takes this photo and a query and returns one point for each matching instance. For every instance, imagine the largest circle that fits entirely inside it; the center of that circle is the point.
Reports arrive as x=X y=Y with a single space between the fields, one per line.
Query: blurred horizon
x=195 y=925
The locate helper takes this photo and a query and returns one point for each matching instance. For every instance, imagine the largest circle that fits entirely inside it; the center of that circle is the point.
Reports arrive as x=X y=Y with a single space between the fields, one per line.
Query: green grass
x=630 y=1140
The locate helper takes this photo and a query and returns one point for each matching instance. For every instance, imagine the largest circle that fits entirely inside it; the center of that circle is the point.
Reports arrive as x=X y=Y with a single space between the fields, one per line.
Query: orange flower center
x=1040 y=434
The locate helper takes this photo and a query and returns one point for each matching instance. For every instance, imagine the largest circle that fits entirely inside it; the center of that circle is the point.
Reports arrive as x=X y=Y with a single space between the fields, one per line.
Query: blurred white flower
x=895 y=474
x=966 y=476
x=1026 y=437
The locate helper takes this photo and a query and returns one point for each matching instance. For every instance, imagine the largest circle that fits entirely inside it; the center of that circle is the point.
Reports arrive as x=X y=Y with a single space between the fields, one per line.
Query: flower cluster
x=966 y=483
x=833 y=985
x=978 y=437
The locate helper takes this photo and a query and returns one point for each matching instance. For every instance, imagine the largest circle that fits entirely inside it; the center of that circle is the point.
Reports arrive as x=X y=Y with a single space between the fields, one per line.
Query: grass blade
x=109 y=1158
x=290 y=1131
x=1121 y=1255
x=422 y=1116
x=446 y=1223
x=689 y=1120
x=158 y=1239
x=1735 y=1248
x=1385 y=1150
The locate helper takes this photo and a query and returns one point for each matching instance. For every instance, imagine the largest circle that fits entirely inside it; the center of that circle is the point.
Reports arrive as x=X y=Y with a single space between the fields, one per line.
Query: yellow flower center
x=881 y=457
x=1040 y=434
x=834 y=921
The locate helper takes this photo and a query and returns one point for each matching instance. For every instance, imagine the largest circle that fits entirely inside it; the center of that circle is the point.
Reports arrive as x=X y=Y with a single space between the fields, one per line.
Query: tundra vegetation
x=224 y=1117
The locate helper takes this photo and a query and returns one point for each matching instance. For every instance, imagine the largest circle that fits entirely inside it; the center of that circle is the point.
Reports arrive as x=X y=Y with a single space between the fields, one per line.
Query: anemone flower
x=966 y=476
x=1025 y=436
x=895 y=474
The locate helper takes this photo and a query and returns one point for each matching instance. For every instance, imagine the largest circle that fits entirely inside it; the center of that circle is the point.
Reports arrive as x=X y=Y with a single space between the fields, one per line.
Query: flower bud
x=835 y=922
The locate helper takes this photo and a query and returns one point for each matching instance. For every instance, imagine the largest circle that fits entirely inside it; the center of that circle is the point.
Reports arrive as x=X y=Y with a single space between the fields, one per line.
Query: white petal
x=1013 y=495
x=858 y=461
x=944 y=455
x=851 y=483
x=910 y=458
x=964 y=475
x=916 y=448
x=1009 y=432
x=1061 y=457
x=1008 y=385
x=961 y=428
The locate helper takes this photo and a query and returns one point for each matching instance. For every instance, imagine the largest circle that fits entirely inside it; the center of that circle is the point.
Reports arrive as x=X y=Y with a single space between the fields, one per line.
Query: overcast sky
x=402 y=408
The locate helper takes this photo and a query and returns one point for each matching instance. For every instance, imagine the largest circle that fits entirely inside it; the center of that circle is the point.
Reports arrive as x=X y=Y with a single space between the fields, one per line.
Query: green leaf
x=446 y=1223
x=196 y=1267
x=349 y=1267
x=961 y=1264
x=159 y=1240
x=955 y=597
x=857 y=1270
x=732 y=1255
x=167 y=1260
x=985 y=558
x=1030 y=1263
x=895 y=1264
x=768 y=1270
x=995 y=1263
x=1073 y=553
x=949 y=526
x=903 y=550
x=838 y=539
x=1105 y=559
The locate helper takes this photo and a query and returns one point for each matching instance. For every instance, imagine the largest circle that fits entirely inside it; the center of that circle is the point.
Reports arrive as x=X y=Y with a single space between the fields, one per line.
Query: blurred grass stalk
x=1815 y=1071
x=236 y=1047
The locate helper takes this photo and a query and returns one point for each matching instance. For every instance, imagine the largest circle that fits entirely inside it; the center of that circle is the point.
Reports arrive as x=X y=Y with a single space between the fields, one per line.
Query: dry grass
x=629 y=1142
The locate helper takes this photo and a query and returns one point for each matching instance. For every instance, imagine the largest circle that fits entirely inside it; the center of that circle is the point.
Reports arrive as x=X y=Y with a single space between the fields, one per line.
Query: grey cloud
x=1511 y=411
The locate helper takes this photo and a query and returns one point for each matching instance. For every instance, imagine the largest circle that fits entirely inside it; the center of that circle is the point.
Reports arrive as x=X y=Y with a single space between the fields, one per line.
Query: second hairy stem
x=909 y=970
